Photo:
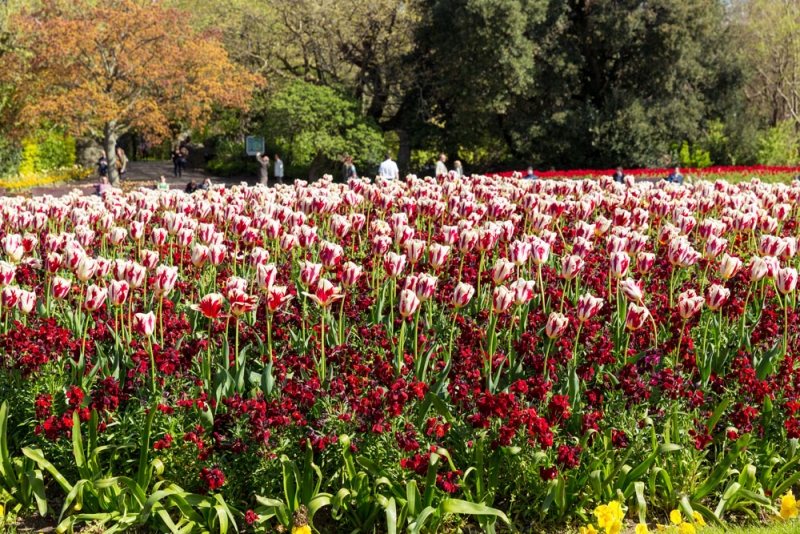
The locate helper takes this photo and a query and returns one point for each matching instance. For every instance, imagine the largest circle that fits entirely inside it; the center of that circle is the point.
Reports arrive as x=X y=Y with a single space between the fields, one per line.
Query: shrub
x=778 y=145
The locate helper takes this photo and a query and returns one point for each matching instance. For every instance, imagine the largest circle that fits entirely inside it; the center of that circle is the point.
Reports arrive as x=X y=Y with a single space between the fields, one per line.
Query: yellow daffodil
x=614 y=527
x=675 y=517
x=615 y=508
x=641 y=528
x=698 y=519
x=305 y=529
x=588 y=530
x=688 y=528
x=788 y=506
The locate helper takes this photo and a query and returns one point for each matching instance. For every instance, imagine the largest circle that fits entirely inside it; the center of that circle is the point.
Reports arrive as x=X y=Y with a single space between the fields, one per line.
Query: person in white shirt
x=441 y=168
x=388 y=169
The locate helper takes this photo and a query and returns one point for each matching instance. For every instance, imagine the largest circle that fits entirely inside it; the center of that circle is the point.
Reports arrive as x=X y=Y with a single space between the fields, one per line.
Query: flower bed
x=420 y=356
x=19 y=182
x=730 y=174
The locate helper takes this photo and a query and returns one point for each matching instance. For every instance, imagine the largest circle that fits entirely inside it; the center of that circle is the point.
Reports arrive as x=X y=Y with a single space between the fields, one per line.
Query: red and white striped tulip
x=689 y=304
x=588 y=307
x=462 y=295
x=144 y=324
x=717 y=296
x=409 y=303
x=95 y=297
x=118 y=291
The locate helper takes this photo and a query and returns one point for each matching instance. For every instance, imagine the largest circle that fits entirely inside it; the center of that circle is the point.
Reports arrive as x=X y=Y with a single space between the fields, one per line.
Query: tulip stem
x=398 y=364
x=152 y=366
x=575 y=344
x=490 y=351
x=625 y=352
x=704 y=356
x=416 y=335
x=321 y=371
x=450 y=344
x=545 y=370
x=161 y=319
x=786 y=325
x=541 y=285
x=744 y=315
x=236 y=346
x=341 y=320
x=207 y=363
x=680 y=340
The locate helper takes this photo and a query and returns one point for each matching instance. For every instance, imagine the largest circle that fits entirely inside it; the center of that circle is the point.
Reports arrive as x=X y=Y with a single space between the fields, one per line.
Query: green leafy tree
x=577 y=83
x=779 y=145
x=317 y=126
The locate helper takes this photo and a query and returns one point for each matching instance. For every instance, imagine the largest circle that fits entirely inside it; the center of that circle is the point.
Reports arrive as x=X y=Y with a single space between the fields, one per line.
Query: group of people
x=120 y=162
x=263 y=168
x=675 y=177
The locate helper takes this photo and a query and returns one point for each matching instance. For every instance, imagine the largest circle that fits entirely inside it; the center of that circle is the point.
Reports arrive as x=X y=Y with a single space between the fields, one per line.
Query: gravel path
x=141 y=173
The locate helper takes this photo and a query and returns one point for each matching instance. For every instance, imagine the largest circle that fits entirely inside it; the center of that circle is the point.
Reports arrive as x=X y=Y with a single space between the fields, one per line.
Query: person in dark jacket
x=263 y=168
x=102 y=165
x=619 y=176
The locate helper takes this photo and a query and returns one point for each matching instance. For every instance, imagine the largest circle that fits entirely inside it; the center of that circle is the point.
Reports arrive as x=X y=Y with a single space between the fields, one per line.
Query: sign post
x=254 y=145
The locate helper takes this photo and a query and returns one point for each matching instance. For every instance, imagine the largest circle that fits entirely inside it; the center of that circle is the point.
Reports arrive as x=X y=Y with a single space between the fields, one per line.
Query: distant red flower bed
x=652 y=173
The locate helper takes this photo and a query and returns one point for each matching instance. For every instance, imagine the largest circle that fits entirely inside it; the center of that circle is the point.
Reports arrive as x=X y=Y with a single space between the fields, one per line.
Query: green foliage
x=230 y=158
x=612 y=82
x=779 y=145
x=10 y=156
x=30 y=157
x=316 y=126
x=43 y=152
x=694 y=156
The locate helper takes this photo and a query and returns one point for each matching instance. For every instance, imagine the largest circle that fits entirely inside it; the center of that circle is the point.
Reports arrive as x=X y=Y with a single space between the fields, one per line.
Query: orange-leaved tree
x=104 y=67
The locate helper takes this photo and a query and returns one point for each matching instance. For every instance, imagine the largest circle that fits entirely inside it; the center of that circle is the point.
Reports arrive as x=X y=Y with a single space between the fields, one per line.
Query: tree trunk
x=110 y=144
x=317 y=167
x=404 y=153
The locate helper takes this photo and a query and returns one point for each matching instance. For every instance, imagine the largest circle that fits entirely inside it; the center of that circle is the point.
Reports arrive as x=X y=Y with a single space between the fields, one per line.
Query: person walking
x=345 y=167
x=441 y=168
x=176 y=162
x=388 y=169
x=263 y=168
x=458 y=168
x=121 y=162
x=351 y=172
x=278 y=170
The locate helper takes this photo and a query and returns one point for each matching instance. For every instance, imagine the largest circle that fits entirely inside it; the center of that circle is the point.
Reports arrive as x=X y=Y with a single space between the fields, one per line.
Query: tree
x=318 y=126
x=108 y=66
x=572 y=83
x=771 y=44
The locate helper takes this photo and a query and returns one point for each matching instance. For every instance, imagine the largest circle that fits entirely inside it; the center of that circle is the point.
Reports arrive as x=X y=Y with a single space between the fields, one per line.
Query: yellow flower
x=698 y=519
x=615 y=509
x=305 y=529
x=660 y=527
x=675 y=517
x=688 y=528
x=588 y=530
x=614 y=527
x=641 y=528
x=788 y=506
